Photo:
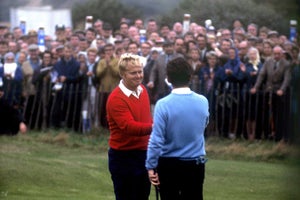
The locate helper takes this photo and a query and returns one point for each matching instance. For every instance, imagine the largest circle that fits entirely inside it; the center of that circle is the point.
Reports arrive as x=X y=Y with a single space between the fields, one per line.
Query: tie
x=167 y=58
x=202 y=55
x=275 y=66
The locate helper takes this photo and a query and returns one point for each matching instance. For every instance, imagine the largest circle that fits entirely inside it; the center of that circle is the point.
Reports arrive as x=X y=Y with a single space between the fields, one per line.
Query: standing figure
x=11 y=79
x=11 y=119
x=107 y=73
x=207 y=86
x=66 y=110
x=42 y=81
x=254 y=102
x=89 y=113
x=176 y=150
x=230 y=79
x=194 y=60
x=277 y=73
x=130 y=124
x=29 y=90
x=157 y=78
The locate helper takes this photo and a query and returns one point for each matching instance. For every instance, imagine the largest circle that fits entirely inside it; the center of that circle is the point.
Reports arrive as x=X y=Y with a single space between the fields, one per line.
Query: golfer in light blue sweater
x=176 y=149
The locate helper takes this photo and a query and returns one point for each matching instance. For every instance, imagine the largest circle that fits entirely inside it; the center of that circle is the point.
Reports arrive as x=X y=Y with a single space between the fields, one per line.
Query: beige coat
x=28 y=87
x=275 y=79
x=108 y=74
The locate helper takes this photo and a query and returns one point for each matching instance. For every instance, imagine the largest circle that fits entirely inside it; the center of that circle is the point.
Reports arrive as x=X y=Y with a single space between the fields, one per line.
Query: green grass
x=250 y=180
x=62 y=165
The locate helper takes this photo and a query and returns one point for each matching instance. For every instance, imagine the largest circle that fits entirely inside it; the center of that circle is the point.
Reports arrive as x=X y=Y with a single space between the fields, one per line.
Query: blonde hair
x=128 y=59
x=257 y=60
x=92 y=49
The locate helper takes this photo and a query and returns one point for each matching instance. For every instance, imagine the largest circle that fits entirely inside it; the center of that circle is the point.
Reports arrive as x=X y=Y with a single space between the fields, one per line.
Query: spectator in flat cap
x=33 y=47
x=60 y=51
x=118 y=44
x=3 y=30
x=60 y=27
x=32 y=37
x=273 y=36
x=252 y=41
x=60 y=33
x=3 y=26
x=32 y=33
x=3 y=50
x=107 y=33
x=107 y=26
x=29 y=90
x=165 y=43
x=272 y=33
x=157 y=79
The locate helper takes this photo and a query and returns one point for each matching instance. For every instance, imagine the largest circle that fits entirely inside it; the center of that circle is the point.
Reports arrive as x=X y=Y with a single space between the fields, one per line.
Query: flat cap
x=33 y=47
x=2 y=25
x=32 y=33
x=60 y=47
x=60 y=27
x=272 y=33
x=167 y=43
x=107 y=26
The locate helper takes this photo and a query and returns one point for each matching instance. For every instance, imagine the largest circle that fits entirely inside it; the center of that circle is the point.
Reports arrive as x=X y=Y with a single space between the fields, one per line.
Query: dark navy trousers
x=129 y=175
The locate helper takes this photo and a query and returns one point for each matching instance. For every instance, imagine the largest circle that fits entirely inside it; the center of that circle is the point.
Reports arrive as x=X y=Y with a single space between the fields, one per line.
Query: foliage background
x=274 y=14
x=223 y=13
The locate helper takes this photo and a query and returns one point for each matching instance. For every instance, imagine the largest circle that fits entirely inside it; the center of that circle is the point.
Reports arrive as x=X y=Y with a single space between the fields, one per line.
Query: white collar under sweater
x=128 y=92
x=182 y=90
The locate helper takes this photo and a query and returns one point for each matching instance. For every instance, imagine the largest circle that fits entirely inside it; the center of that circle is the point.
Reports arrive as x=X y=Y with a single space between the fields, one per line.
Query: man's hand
x=150 y=85
x=62 y=79
x=253 y=90
x=228 y=72
x=279 y=92
x=153 y=177
x=22 y=128
x=243 y=67
x=89 y=73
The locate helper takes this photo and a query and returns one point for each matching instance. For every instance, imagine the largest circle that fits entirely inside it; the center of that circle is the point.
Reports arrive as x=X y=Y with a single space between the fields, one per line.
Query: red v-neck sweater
x=129 y=119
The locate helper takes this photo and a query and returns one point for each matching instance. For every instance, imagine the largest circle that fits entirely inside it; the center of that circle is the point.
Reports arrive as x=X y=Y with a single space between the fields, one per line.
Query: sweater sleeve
x=127 y=117
x=156 y=140
x=130 y=121
x=114 y=67
x=287 y=78
x=261 y=76
x=100 y=69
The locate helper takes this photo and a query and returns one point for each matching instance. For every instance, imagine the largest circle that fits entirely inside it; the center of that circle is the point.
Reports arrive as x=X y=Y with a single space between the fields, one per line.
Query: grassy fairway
x=250 y=180
x=69 y=166
x=34 y=170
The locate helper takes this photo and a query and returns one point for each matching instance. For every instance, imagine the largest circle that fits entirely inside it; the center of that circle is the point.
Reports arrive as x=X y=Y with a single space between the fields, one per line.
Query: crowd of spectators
x=66 y=83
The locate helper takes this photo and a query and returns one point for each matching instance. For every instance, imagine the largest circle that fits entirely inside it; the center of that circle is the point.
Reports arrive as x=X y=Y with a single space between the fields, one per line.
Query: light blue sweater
x=178 y=130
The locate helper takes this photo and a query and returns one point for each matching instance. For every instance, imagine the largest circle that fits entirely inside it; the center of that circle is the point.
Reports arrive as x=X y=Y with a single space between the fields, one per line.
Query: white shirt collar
x=182 y=90
x=128 y=92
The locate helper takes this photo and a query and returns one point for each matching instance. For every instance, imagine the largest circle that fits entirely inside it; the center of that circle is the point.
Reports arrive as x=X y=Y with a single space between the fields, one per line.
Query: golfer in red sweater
x=130 y=124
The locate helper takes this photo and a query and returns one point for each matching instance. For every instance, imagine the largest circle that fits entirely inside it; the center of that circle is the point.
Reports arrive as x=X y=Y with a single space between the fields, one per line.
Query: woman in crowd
x=253 y=106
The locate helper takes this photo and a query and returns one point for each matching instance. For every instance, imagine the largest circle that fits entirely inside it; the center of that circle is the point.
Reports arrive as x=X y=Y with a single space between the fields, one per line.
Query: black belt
x=198 y=160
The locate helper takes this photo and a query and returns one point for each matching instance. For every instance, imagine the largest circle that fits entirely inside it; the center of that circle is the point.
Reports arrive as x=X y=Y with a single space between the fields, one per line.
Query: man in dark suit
x=202 y=44
x=276 y=72
x=158 y=74
x=11 y=119
x=66 y=110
